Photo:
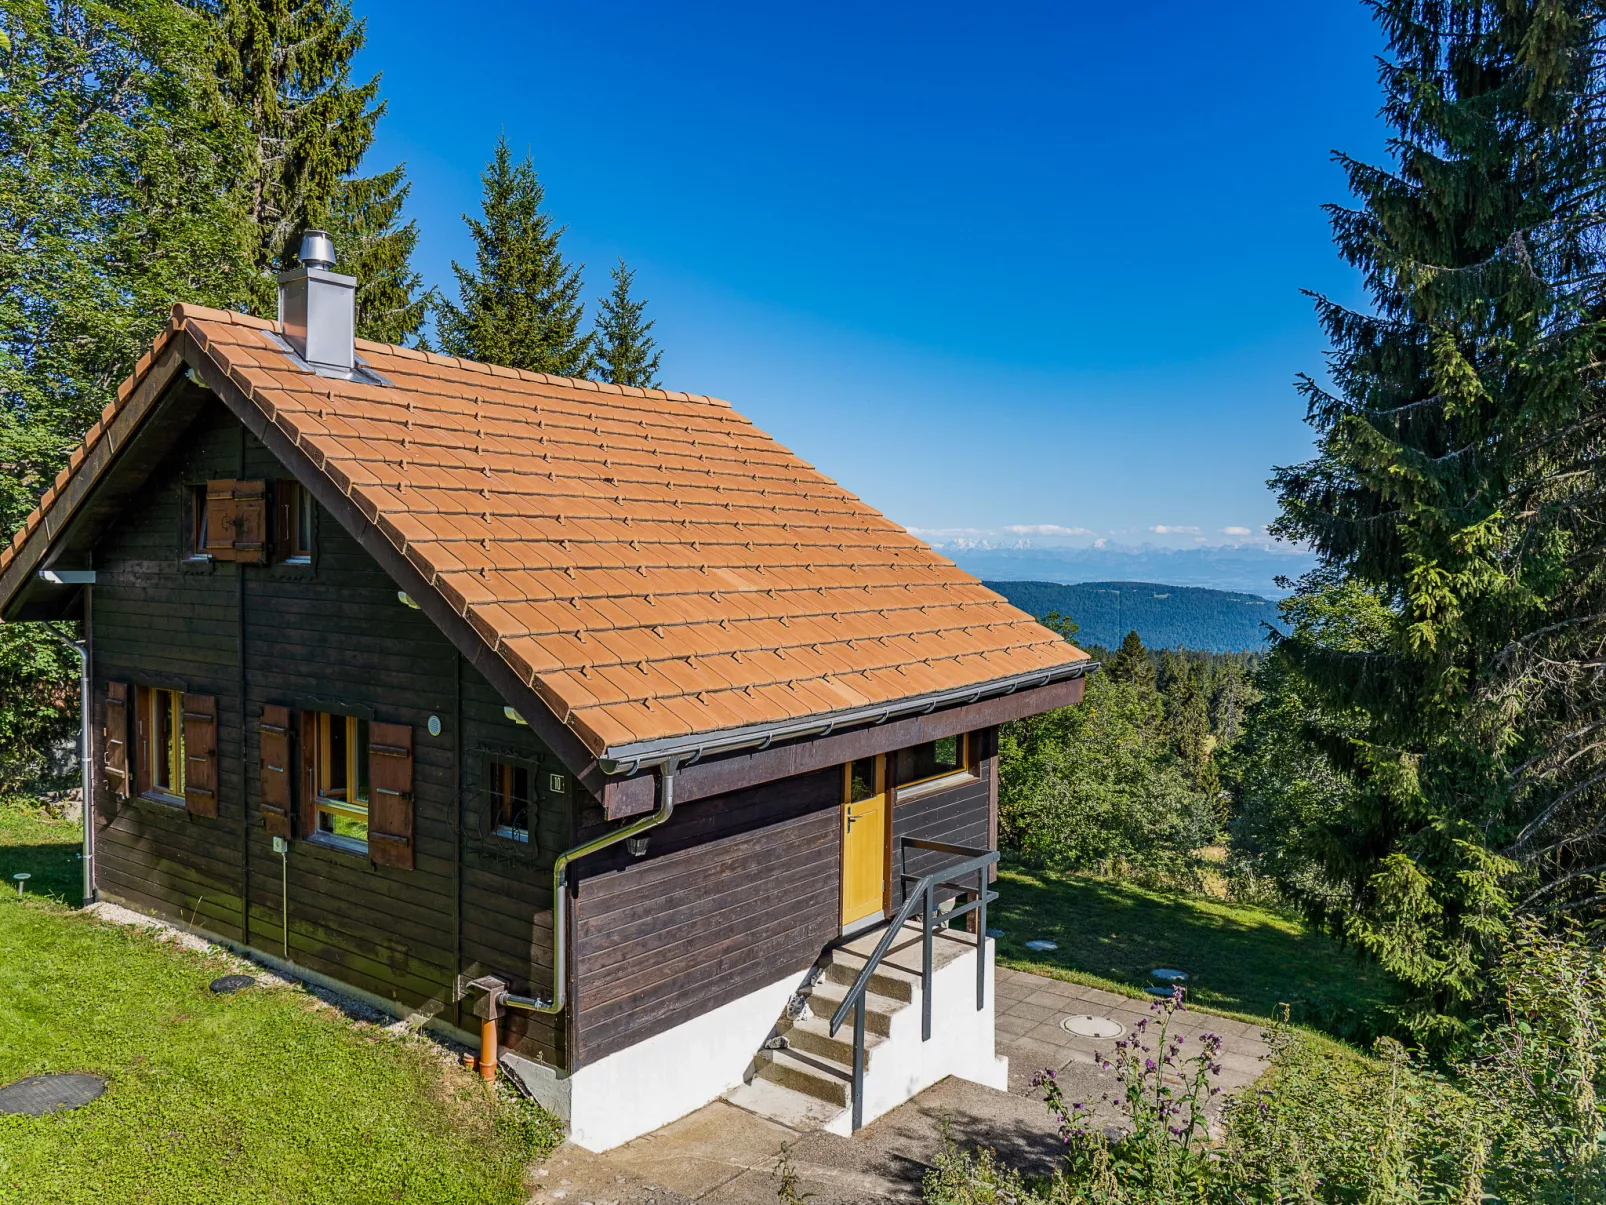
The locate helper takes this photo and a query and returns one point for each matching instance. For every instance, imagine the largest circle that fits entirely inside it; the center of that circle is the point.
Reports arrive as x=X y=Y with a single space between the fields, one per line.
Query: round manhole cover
x=41 y=1094
x=1093 y=1027
x=231 y=983
x=1040 y=944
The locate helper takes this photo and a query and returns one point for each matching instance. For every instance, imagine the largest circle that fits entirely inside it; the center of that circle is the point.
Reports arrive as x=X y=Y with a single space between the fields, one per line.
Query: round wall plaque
x=434 y=725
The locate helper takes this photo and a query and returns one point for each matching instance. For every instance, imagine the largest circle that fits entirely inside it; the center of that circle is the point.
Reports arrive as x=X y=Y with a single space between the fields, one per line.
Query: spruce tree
x=626 y=353
x=1131 y=663
x=519 y=305
x=1459 y=478
x=286 y=70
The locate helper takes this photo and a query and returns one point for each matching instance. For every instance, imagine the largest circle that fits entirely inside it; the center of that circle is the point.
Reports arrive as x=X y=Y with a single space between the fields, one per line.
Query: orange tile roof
x=649 y=562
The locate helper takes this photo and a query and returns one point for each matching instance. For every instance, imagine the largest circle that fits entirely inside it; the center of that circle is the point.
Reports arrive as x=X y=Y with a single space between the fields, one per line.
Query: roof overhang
x=629 y=759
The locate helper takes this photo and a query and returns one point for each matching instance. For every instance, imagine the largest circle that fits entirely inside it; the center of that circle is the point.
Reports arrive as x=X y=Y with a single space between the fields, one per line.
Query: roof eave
x=631 y=758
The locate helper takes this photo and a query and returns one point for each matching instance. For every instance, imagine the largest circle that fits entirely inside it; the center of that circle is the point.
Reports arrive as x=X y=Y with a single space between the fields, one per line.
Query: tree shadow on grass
x=1240 y=959
x=55 y=871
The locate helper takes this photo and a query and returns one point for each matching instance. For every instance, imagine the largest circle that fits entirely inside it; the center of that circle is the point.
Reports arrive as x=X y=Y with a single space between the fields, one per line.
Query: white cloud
x=1045 y=529
x=1236 y=531
x=1166 y=529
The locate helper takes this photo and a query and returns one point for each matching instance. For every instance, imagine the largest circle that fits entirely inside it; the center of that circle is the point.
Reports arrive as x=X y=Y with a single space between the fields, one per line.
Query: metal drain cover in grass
x=230 y=983
x=41 y=1094
x=1088 y=1026
x=1040 y=944
x=1168 y=975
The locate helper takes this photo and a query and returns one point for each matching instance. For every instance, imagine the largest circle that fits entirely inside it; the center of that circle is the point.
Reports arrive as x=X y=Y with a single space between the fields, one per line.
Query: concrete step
x=813 y=1036
x=811 y=1074
x=887 y=981
x=825 y=997
x=797 y=1110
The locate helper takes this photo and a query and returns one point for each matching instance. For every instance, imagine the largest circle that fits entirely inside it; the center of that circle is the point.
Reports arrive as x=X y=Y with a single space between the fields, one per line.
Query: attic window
x=293 y=515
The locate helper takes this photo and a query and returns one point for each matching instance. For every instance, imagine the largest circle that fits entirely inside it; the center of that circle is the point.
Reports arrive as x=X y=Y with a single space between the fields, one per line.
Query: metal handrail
x=976 y=862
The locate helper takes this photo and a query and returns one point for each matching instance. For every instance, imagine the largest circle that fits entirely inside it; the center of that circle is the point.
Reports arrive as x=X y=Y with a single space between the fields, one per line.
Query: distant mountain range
x=1190 y=617
x=1252 y=569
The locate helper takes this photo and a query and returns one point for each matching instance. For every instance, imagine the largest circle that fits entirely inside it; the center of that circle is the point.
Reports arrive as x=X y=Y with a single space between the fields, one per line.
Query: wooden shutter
x=309 y=773
x=114 y=743
x=220 y=520
x=200 y=755
x=142 y=739
x=251 y=522
x=390 y=794
x=277 y=771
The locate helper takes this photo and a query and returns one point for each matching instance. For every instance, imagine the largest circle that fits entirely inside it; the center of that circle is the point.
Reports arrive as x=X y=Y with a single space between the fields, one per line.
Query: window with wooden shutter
x=390 y=778
x=251 y=522
x=200 y=755
x=114 y=740
x=215 y=532
x=142 y=739
x=160 y=762
x=232 y=523
x=274 y=749
x=309 y=773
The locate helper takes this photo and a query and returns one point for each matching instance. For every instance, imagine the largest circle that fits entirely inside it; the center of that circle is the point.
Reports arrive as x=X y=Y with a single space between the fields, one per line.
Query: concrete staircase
x=803 y=1077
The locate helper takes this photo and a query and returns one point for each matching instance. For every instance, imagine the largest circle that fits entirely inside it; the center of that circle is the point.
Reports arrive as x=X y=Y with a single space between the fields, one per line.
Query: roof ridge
x=540 y=378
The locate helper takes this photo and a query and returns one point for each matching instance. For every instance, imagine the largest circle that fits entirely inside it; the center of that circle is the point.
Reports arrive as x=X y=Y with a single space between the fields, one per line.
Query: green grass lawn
x=1242 y=960
x=33 y=843
x=263 y=1096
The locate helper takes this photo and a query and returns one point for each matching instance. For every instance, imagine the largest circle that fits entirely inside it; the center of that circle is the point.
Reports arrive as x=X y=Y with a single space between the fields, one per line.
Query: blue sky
x=1000 y=269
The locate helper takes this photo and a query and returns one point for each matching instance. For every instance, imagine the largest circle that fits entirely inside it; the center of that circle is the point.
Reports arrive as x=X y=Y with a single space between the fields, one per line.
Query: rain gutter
x=685 y=751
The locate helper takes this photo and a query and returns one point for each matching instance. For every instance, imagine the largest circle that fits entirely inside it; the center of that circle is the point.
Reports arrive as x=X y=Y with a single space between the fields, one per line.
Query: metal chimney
x=317 y=307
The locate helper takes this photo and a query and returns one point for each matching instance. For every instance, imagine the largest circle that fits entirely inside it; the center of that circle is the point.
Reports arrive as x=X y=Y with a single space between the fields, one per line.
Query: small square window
x=340 y=801
x=510 y=800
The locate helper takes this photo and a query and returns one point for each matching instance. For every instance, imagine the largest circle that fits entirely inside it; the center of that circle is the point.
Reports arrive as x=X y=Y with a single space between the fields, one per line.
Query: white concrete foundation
x=636 y=1090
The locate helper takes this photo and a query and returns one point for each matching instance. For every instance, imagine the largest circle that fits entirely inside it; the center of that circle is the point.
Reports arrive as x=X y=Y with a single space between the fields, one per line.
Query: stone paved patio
x=725 y=1156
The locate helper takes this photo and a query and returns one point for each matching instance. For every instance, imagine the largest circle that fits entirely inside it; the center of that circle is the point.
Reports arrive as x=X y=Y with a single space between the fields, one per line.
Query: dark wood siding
x=735 y=892
x=331 y=636
x=507 y=885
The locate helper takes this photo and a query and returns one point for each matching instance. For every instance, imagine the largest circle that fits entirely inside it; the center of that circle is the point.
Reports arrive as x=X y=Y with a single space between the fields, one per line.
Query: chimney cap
x=317 y=249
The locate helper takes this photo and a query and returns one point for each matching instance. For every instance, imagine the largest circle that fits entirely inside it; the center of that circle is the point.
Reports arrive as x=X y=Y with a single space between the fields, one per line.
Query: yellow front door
x=864 y=838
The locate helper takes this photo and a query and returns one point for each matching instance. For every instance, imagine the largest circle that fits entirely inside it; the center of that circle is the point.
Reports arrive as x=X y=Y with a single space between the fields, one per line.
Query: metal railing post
x=858 y=1065
x=981 y=938
x=925 y=965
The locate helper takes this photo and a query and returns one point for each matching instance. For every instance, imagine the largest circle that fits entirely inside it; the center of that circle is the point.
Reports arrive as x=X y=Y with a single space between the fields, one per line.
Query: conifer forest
x=1412 y=758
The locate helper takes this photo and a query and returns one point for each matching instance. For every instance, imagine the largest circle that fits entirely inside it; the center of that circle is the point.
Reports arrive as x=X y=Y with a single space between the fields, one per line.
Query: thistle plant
x=1162 y=1097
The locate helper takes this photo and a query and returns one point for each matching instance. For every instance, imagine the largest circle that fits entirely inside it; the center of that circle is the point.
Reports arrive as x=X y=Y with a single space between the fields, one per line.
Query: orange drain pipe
x=488 y=1008
x=487 y=1063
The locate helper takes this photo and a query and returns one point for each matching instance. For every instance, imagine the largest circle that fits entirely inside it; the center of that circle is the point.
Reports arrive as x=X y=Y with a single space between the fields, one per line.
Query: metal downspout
x=494 y=994
x=86 y=770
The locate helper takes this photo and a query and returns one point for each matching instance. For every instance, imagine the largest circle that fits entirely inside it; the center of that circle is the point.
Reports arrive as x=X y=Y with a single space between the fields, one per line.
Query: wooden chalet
x=394 y=658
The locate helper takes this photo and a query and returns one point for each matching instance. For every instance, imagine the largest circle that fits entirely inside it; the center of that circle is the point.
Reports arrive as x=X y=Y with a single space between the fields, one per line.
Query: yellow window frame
x=353 y=805
x=167 y=755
